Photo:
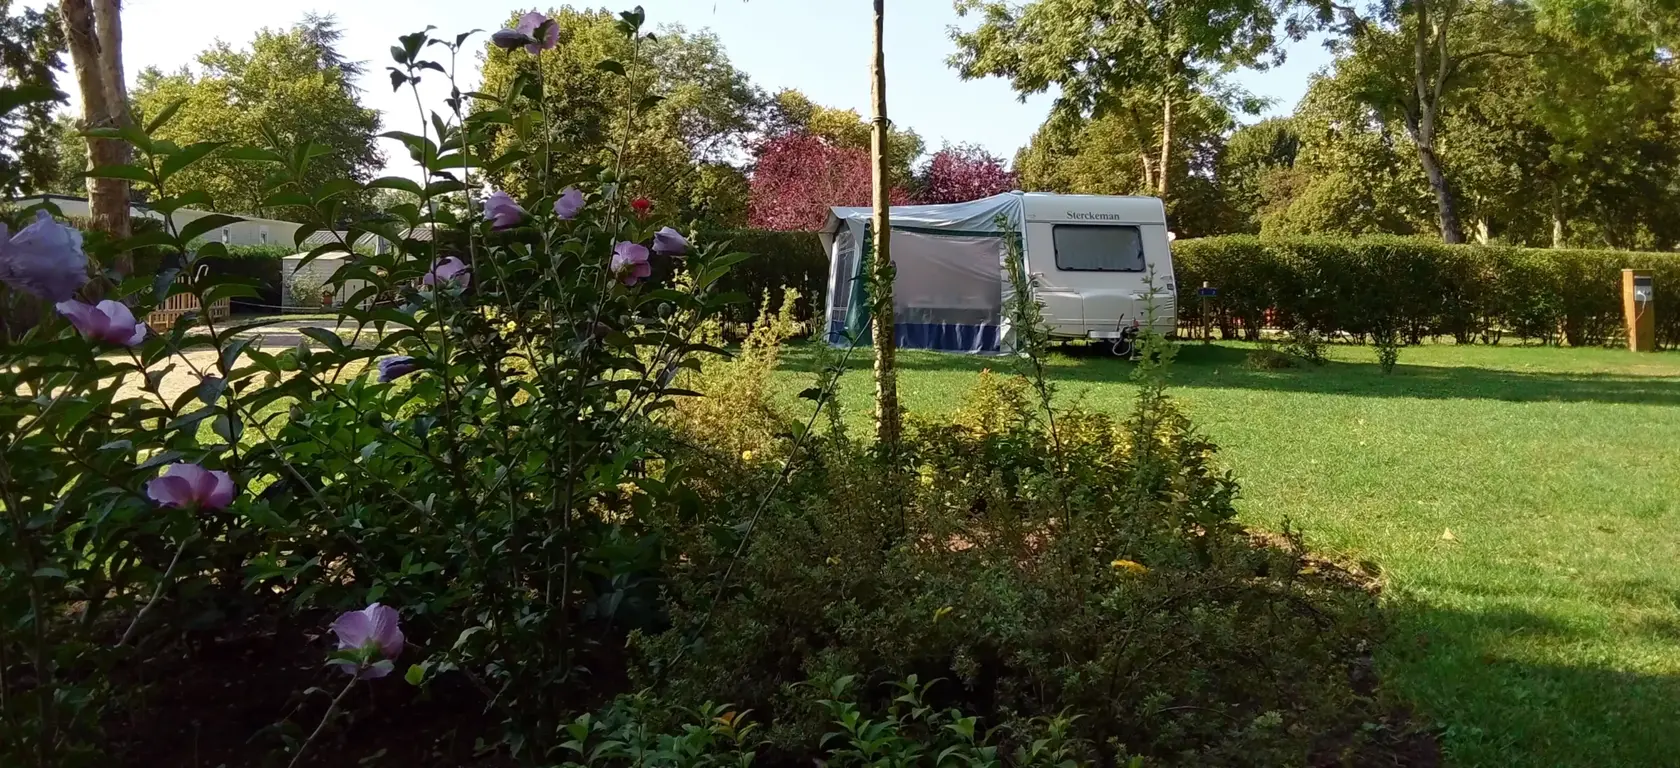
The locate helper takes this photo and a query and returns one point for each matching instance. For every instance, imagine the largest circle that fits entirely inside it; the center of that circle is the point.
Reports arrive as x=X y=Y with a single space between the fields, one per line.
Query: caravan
x=1101 y=265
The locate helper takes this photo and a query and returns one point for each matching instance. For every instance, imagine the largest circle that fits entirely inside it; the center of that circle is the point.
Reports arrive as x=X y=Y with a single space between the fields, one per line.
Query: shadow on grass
x=1495 y=709
x=1217 y=366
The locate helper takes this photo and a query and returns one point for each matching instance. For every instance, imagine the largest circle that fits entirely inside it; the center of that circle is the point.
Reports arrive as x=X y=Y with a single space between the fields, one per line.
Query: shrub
x=494 y=482
x=1096 y=573
x=1418 y=288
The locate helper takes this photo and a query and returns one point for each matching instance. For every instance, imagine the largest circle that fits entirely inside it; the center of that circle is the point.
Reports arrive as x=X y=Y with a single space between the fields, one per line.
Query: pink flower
x=528 y=26
x=44 y=258
x=501 y=211
x=375 y=629
x=108 y=322
x=448 y=270
x=669 y=242
x=569 y=204
x=186 y=485
x=630 y=263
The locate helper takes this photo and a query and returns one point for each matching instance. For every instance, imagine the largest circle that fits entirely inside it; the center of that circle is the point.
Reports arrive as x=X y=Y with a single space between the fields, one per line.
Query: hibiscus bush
x=470 y=452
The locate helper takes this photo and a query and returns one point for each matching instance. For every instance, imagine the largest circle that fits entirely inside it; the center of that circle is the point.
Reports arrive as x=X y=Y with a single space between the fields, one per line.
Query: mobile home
x=1100 y=262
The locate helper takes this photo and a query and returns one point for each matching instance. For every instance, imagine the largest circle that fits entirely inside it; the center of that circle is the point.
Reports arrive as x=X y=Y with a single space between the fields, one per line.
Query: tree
x=790 y=111
x=282 y=89
x=1409 y=59
x=961 y=173
x=30 y=46
x=798 y=176
x=93 y=29
x=321 y=33
x=887 y=418
x=682 y=151
x=1247 y=163
x=1101 y=155
x=1124 y=56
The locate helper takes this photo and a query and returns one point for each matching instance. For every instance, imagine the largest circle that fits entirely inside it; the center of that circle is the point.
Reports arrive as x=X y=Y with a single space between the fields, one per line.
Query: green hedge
x=1420 y=289
x=793 y=259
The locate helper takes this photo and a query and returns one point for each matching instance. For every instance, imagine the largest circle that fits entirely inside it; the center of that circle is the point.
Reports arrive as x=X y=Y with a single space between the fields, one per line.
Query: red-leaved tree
x=964 y=172
x=798 y=176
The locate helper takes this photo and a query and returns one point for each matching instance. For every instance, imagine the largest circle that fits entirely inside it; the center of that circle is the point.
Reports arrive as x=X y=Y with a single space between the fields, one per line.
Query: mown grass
x=1544 y=629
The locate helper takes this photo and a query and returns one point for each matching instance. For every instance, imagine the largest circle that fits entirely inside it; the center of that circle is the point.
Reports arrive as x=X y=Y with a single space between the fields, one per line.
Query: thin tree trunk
x=1163 y=185
x=887 y=420
x=94 y=32
x=1558 y=233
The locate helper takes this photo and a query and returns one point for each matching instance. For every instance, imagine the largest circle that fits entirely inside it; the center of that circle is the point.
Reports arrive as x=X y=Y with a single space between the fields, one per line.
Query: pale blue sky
x=820 y=47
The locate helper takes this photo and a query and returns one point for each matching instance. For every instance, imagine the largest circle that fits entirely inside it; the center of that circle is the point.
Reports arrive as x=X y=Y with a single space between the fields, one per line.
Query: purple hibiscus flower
x=44 y=258
x=669 y=242
x=185 y=485
x=527 y=26
x=375 y=629
x=396 y=367
x=569 y=204
x=501 y=211
x=448 y=270
x=630 y=263
x=108 y=322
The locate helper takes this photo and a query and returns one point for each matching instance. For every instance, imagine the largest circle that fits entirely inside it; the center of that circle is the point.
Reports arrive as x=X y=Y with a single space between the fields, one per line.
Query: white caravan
x=1101 y=264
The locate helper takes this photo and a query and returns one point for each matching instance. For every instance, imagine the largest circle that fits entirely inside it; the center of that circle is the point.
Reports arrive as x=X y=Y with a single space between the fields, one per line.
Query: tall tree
x=281 y=87
x=94 y=31
x=887 y=418
x=321 y=33
x=791 y=111
x=1408 y=59
x=963 y=172
x=1101 y=155
x=799 y=175
x=1118 y=55
x=683 y=152
x=30 y=46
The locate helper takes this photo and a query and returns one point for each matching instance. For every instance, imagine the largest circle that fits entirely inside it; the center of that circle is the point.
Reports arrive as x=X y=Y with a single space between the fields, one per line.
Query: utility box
x=1639 y=303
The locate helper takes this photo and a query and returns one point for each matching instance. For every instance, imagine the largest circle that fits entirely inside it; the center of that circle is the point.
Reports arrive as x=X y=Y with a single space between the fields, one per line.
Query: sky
x=821 y=47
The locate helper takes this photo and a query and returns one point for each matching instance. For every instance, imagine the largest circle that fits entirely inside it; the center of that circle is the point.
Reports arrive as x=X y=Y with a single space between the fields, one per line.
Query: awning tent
x=951 y=284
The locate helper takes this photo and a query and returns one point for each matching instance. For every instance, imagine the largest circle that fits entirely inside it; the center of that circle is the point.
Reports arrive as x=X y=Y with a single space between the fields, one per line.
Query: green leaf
x=609 y=65
x=198 y=227
x=164 y=115
x=398 y=183
x=326 y=337
x=415 y=674
x=188 y=155
x=169 y=205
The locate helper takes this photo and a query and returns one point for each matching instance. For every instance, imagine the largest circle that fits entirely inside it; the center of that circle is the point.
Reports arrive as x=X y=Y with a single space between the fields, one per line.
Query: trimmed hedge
x=793 y=259
x=1419 y=289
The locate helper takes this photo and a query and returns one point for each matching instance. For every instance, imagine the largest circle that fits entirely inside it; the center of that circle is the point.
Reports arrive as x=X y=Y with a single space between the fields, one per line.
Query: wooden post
x=887 y=420
x=1639 y=305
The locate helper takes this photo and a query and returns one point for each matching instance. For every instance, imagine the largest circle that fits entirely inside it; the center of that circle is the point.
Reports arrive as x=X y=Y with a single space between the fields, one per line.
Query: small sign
x=1205 y=291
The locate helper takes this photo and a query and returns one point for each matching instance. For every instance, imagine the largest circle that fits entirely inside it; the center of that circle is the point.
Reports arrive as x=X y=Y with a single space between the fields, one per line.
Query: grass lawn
x=1545 y=629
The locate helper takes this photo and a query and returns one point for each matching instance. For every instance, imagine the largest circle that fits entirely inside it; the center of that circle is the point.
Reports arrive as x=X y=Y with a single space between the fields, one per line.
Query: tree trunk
x=1163 y=185
x=1446 y=206
x=94 y=32
x=887 y=420
x=1558 y=234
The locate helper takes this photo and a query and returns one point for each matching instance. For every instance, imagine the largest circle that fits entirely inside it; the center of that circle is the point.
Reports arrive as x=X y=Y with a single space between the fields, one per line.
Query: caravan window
x=1101 y=248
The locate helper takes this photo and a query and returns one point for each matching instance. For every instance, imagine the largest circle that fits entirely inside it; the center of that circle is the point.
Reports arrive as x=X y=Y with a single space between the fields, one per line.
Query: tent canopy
x=950 y=287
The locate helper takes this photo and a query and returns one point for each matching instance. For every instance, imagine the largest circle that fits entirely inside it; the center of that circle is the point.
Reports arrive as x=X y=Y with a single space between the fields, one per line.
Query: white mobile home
x=1101 y=263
